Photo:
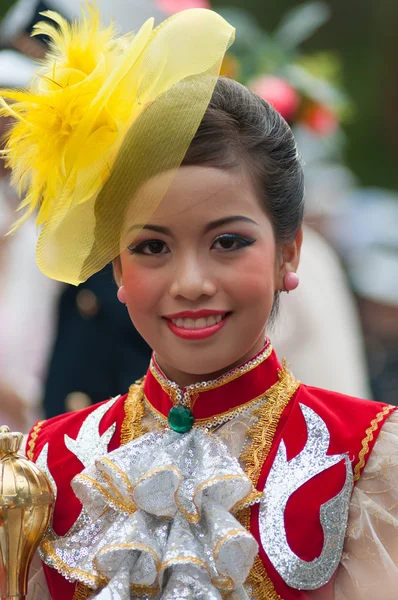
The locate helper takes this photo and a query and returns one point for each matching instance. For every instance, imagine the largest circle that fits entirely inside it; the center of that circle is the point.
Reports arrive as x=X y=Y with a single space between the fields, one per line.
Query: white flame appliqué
x=287 y=476
x=90 y=444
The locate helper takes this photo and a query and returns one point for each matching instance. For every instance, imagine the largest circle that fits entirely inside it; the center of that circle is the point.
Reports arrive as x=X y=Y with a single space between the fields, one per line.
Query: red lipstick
x=196 y=314
x=196 y=334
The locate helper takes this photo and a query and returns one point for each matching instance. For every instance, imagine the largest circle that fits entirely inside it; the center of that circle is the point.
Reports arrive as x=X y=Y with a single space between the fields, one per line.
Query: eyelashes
x=228 y=242
x=149 y=248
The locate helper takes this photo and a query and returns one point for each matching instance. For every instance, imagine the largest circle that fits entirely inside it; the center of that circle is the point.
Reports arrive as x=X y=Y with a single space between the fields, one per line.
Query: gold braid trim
x=82 y=592
x=263 y=431
x=134 y=410
x=374 y=425
x=258 y=579
x=33 y=439
x=262 y=435
x=260 y=582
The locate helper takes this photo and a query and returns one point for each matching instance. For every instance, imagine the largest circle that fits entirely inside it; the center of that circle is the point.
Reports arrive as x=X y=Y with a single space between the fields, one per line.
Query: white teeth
x=198 y=323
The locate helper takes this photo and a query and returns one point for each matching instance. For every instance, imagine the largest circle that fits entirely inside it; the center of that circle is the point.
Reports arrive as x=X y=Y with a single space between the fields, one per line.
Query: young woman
x=217 y=474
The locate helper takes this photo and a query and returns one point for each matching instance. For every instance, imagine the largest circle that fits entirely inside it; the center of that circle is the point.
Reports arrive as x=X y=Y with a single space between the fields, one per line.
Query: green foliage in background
x=305 y=88
x=5 y=6
x=361 y=34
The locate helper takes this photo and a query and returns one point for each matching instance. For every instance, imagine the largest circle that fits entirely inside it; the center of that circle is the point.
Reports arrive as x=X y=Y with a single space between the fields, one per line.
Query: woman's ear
x=288 y=259
x=117 y=270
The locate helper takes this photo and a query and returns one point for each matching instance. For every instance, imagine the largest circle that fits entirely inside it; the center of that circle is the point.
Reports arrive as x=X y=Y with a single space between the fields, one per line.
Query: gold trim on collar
x=213 y=421
x=192 y=391
x=374 y=425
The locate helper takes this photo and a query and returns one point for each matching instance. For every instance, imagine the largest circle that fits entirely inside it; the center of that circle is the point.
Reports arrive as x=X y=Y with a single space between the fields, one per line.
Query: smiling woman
x=228 y=266
x=217 y=473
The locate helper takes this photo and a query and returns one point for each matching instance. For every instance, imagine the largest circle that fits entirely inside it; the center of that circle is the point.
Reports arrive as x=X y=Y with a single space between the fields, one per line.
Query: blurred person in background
x=365 y=233
x=94 y=350
x=97 y=350
x=318 y=327
x=27 y=297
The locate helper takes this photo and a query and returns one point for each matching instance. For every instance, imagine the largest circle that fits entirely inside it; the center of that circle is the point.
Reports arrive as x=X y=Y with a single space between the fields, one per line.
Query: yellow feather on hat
x=72 y=124
x=74 y=113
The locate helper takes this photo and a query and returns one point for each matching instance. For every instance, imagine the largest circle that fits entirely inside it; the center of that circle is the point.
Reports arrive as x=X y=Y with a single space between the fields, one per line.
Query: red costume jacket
x=305 y=451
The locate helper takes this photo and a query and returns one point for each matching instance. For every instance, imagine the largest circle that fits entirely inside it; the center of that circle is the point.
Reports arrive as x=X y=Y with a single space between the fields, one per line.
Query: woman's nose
x=191 y=281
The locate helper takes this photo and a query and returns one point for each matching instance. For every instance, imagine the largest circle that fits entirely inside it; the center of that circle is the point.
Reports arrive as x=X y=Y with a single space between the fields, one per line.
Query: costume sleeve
x=369 y=567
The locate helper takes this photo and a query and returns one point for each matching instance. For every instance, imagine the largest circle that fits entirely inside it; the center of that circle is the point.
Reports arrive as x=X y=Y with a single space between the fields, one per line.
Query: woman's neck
x=184 y=379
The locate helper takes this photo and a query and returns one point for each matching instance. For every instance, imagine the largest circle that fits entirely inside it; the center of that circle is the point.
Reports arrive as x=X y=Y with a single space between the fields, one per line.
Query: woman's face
x=200 y=277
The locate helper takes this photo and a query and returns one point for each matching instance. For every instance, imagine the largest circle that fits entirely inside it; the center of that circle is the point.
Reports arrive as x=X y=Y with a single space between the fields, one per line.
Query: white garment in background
x=318 y=328
x=27 y=312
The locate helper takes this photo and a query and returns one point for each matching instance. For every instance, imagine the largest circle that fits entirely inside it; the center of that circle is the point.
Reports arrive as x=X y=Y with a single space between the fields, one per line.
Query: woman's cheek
x=143 y=287
x=255 y=272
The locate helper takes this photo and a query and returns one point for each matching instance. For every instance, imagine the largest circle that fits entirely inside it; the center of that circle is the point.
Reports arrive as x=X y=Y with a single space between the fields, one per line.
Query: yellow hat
x=105 y=114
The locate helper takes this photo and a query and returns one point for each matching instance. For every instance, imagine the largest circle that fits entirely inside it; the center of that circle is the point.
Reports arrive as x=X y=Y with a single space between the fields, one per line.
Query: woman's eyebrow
x=226 y=220
x=209 y=227
x=157 y=228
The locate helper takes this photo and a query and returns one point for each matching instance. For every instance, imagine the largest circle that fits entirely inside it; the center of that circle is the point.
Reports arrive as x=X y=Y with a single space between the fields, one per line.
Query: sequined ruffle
x=157 y=519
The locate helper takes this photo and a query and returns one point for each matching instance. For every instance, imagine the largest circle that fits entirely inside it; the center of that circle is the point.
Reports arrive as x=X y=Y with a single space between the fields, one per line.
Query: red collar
x=240 y=386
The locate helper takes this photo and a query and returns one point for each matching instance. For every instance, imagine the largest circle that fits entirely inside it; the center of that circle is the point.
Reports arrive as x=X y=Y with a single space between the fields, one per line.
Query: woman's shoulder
x=343 y=404
x=65 y=445
x=352 y=423
x=69 y=429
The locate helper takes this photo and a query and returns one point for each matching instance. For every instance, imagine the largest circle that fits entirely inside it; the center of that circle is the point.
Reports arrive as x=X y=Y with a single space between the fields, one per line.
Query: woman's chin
x=201 y=365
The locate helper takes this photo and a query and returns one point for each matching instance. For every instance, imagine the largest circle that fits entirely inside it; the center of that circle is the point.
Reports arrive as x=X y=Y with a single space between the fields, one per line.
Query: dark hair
x=239 y=126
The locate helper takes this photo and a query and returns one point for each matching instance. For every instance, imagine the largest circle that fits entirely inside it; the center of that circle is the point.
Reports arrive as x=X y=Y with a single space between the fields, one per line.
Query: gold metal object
x=26 y=503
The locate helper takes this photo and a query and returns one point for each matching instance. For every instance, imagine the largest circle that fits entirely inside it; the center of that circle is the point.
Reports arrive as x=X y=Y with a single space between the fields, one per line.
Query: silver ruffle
x=157 y=521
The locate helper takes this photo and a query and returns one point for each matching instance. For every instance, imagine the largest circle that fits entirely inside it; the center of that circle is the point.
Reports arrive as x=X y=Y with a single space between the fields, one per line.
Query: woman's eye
x=150 y=248
x=229 y=242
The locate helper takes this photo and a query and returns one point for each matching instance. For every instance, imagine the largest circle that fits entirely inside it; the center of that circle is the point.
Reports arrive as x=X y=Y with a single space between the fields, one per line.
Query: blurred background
x=330 y=68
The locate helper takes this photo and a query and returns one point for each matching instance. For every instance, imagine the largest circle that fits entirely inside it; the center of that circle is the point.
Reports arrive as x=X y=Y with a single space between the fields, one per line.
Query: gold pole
x=26 y=503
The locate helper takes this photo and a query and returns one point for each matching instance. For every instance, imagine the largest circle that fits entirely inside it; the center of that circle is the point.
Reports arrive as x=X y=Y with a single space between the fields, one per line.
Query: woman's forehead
x=202 y=193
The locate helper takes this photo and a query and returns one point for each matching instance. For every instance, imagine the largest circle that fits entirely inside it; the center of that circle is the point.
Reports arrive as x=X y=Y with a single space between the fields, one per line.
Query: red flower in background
x=278 y=92
x=320 y=119
x=172 y=6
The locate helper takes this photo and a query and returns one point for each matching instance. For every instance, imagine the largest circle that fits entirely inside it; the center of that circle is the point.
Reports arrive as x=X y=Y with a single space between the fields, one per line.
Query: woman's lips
x=196 y=314
x=198 y=328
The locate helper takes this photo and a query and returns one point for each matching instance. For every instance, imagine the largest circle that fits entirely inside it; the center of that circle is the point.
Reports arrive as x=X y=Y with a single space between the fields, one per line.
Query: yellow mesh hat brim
x=139 y=123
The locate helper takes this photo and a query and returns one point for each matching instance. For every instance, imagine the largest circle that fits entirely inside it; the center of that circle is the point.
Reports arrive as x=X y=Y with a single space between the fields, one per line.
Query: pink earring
x=290 y=281
x=121 y=294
